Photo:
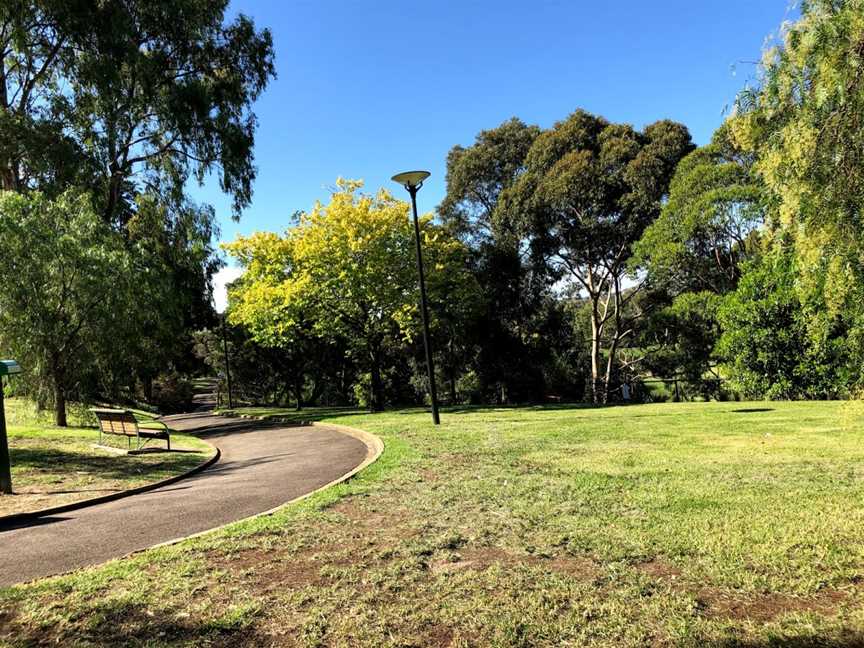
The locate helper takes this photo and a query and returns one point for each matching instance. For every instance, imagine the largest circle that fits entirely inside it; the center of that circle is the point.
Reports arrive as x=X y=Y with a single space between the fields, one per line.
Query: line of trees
x=566 y=262
x=563 y=262
x=107 y=110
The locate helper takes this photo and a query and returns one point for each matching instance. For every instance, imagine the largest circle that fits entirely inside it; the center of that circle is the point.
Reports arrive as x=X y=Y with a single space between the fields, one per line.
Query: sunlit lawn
x=685 y=524
x=53 y=466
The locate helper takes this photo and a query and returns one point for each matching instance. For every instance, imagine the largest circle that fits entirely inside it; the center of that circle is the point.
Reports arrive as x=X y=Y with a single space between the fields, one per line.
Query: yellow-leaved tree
x=346 y=270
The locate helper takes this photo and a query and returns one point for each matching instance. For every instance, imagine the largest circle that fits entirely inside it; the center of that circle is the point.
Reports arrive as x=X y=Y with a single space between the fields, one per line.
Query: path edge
x=13 y=519
x=374 y=450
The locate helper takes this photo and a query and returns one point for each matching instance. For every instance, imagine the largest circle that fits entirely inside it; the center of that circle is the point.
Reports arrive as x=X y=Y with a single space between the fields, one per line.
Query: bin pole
x=5 y=471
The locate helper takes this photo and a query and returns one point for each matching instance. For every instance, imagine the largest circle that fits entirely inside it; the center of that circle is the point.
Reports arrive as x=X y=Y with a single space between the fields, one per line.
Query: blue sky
x=366 y=89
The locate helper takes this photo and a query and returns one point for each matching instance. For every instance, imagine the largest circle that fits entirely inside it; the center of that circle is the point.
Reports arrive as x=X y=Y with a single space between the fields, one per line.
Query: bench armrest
x=145 y=425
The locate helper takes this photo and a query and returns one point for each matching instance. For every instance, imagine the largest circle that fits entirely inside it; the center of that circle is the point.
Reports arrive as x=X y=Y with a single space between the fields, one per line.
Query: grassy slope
x=689 y=524
x=53 y=466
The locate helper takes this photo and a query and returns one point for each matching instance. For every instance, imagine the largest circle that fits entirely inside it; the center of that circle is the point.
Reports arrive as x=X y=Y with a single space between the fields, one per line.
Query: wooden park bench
x=123 y=423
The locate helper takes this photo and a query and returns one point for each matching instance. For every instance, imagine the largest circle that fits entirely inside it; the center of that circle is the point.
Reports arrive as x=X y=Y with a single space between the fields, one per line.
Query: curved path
x=262 y=466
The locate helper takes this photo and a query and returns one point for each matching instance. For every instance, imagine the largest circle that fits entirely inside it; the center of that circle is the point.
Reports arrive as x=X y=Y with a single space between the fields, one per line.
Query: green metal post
x=5 y=470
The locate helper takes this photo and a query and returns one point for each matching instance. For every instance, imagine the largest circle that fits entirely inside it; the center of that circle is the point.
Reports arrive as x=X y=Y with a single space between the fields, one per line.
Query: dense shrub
x=172 y=393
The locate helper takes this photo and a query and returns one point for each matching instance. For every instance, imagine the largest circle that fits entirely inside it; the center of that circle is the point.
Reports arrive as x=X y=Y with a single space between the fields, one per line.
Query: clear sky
x=367 y=89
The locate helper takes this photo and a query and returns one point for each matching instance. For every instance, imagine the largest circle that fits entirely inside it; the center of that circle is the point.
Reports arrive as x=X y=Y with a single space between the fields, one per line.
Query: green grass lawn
x=721 y=524
x=53 y=466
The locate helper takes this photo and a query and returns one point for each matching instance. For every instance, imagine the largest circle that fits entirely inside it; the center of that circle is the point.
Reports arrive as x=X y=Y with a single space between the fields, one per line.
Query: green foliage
x=469 y=389
x=589 y=190
x=172 y=393
x=477 y=175
x=129 y=101
x=151 y=90
x=680 y=339
x=789 y=158
x=498 y=342
x=766 y=339
x=346 y=272
x=305 y=372
x=705 y=228
x=69 y=284
x=801 y=127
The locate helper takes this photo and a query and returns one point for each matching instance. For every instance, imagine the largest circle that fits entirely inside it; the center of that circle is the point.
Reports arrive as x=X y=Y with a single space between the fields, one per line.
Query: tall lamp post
x=412 y=181
x=227 y=364
x=220 y=305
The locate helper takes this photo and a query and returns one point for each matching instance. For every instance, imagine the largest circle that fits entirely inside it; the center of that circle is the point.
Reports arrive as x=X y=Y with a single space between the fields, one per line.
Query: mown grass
x=53 y=466
x=721 y=524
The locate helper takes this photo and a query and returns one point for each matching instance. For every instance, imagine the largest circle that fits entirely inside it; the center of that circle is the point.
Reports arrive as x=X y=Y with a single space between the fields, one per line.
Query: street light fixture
x=412 y=181
x=227 y=364
x=220 y=305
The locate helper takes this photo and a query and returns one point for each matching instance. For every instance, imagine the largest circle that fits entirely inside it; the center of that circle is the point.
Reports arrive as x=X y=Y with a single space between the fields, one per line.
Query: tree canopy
x=345 y=271
x=589 y=190
x=704 y=230
x=124 y=97
x=75 y=292
x=122 y=103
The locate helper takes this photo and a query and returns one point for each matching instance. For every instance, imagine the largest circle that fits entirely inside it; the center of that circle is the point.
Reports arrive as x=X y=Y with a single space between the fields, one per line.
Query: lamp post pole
x=227 y=366
x=412 y=181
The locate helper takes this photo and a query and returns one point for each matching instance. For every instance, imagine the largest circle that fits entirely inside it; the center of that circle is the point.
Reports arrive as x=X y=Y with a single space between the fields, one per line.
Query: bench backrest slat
x=119 y=422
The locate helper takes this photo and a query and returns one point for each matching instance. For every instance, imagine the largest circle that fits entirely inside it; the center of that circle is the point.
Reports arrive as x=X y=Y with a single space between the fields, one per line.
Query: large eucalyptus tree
x=588 y=191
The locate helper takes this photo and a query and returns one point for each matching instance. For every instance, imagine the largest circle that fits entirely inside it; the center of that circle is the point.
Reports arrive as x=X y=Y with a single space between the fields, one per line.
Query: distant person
x=625 y=392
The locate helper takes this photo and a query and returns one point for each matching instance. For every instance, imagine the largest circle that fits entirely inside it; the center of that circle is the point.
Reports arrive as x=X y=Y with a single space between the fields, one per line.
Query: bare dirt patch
x=481 y=558
x=438 y=636
x=266 y=570
x=721 y=604
x=393 y=524
x=658 y=568
x=715 y=604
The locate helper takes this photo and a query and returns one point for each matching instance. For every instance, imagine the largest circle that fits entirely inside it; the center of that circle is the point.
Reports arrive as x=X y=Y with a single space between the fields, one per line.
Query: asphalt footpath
x=262 y=466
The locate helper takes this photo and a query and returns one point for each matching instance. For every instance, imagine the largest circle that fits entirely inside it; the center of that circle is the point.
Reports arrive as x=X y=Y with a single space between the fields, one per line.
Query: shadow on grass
x=103 y=466
x=128 y=623
x=173 y=451
x=274 y=416
x=323 y=413
x=124 y=624
x=839 y=639
x=313 y=414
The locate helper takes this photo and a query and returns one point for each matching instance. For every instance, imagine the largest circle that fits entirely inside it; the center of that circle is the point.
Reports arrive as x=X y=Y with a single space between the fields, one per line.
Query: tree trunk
x=59 y=385
x=298 y=394
x=377 y=401
x=147 y=383
x=113 y=198
x=610 y=363
x=8 y=176
x=59 y=408
x=596 y=331
x=613 y=347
